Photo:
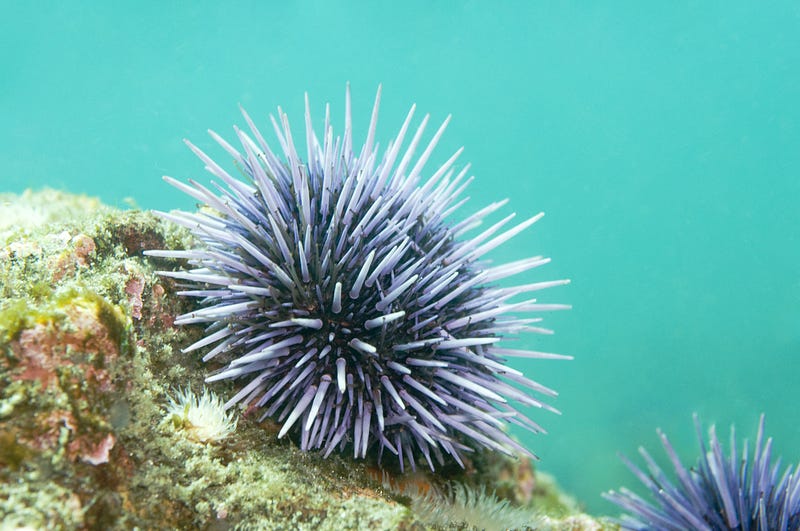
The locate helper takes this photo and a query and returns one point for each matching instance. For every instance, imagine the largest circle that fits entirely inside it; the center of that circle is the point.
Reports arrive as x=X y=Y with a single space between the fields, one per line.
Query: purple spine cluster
x=333 y=287
x=719 y=493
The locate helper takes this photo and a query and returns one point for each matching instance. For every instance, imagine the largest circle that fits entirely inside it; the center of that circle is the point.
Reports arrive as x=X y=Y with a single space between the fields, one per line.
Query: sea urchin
x=354 y=314
x=719 y=493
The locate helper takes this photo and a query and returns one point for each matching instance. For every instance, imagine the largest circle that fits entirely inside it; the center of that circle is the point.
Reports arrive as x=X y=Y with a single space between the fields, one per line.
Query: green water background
x=661 y=138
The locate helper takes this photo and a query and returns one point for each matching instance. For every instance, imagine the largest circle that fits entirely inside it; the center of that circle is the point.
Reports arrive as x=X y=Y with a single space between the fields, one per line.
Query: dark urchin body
x=719 y=493
x=352 y=312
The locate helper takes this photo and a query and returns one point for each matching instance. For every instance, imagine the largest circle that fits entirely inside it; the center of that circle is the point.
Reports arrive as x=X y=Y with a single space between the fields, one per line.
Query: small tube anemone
x=201 y=418
x=719 y=493
x=469 y=507
x=335 y=289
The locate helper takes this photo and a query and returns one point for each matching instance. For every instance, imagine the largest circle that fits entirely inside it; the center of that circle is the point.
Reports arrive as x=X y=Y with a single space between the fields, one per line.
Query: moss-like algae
x=15 y=315
x=88 y=355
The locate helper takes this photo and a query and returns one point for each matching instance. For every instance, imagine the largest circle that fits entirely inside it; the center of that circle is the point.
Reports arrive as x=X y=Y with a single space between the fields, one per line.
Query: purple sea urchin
x=336 y=290
x=719 y=493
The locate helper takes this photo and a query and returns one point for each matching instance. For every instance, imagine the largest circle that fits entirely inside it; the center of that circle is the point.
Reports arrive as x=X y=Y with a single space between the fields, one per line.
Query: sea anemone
x=337 y=291
x=463 y=507
x=719 y=493
x=202 y=418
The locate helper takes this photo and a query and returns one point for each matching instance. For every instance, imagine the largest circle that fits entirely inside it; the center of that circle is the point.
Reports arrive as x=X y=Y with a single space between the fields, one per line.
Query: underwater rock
x=89 y=434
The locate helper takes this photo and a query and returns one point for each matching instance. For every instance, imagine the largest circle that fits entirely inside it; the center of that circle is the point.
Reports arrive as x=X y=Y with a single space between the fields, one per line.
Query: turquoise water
x=663 y=141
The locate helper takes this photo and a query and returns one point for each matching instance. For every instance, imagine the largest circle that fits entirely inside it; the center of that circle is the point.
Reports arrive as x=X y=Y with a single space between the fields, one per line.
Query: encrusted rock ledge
x=89 y=362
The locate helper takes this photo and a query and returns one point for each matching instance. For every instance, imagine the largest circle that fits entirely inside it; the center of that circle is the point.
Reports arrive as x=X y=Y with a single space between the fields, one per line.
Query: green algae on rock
x=88 y=360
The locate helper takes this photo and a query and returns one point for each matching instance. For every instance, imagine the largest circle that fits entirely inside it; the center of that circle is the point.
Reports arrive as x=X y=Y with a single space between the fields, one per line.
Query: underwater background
x=661 y=139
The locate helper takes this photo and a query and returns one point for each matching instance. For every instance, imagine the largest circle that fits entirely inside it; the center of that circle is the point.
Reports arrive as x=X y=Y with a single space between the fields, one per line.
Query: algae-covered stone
x=89 y=364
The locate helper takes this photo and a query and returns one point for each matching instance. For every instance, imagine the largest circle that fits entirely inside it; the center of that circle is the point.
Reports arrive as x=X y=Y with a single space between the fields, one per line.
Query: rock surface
x=90 y=368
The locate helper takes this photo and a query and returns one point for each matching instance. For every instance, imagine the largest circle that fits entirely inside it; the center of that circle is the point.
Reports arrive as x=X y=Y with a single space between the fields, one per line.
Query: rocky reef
x=105 y=424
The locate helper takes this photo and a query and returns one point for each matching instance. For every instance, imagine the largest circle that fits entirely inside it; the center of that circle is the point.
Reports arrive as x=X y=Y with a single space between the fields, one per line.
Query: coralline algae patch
x=98 y=428
x=63 y=355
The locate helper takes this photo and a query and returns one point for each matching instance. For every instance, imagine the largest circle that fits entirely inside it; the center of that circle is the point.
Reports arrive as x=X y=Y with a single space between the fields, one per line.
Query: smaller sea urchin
x=720 y=493
x=350 y=308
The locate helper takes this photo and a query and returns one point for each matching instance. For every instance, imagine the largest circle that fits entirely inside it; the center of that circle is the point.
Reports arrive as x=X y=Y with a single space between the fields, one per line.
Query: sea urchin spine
x=337 y=292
